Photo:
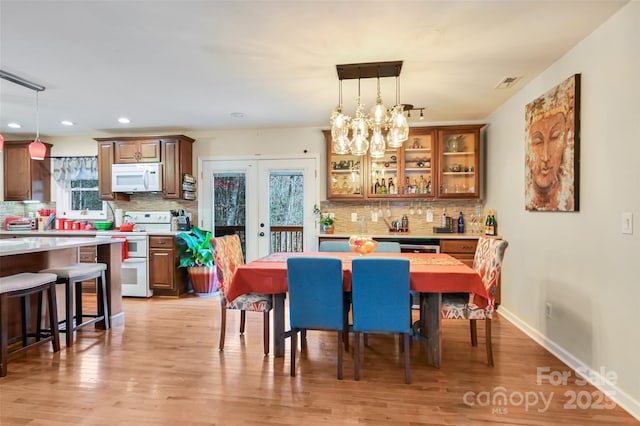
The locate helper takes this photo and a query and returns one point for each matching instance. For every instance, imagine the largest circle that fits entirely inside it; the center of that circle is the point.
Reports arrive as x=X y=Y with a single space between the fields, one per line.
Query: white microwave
x=139 y=177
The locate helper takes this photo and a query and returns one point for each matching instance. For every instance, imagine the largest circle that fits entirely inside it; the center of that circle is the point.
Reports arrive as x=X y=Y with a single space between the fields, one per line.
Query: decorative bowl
x=362 y=245
x=103 y=225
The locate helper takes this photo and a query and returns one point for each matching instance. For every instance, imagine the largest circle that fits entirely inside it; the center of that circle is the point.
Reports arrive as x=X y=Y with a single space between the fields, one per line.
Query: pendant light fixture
x=351 y=135
x=37 y=150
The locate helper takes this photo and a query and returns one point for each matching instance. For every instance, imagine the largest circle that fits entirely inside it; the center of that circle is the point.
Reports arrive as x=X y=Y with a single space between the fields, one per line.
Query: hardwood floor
x=164 y=367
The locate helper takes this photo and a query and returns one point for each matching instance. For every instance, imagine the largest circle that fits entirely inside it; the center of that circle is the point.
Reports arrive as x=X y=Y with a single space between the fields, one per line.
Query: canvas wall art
x=552 y=149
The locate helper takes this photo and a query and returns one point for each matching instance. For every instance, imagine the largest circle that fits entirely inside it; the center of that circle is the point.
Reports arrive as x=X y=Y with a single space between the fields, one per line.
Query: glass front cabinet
x=435 y=162
x=459 y=160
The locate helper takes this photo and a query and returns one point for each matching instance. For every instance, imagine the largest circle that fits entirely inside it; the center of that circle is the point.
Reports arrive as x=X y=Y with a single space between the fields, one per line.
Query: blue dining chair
x=381 y=303
x=387 y=247
x=335 y=246
x=316 y=299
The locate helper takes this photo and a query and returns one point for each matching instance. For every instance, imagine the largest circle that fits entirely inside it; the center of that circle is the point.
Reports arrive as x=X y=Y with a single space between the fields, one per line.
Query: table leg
x=430 y=305
x=278 y=324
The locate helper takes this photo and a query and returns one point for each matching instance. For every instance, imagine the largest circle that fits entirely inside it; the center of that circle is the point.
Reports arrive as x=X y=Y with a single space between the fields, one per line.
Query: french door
x=253 y=197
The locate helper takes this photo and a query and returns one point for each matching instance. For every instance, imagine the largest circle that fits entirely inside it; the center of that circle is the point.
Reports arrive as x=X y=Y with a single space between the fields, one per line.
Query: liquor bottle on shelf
x=392 y=187
x=421 y=185
x=460 y=224
x=428 y=189
x=407 y=186
x=376 y=187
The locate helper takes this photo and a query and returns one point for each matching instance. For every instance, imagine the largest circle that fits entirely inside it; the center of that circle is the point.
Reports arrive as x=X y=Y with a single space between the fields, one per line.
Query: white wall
x=580 y=262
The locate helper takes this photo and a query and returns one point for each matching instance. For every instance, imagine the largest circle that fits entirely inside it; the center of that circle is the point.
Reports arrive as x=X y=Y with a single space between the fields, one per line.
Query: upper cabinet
x=459 y=161
x=177 y=159
x=174 y=152
x=128 y=150
x=435 y=163
x=24 y=178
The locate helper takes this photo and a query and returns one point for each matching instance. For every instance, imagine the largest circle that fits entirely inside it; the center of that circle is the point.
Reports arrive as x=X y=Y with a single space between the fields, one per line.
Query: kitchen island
x=33 y=254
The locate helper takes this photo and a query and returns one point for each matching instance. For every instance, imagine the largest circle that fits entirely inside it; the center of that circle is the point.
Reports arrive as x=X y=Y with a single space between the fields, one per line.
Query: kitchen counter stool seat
x=23 y=285
x=73 y=276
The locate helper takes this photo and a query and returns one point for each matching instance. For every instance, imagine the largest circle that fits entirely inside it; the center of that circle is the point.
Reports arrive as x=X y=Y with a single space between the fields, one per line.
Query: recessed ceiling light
x=124 y=120
x=237 y=114
x=14 y=125
x=67 y=123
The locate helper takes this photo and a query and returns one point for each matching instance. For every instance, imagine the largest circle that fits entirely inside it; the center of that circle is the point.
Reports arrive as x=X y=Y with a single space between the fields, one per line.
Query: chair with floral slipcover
x=228 y=257
x=487 y=262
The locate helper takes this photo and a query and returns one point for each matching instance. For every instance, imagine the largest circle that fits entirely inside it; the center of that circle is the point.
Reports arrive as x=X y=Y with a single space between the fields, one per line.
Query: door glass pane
x=229 y=205
x=286 y=211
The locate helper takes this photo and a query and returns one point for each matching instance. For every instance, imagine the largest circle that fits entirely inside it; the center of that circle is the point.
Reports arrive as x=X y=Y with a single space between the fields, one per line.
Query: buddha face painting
x=550 y=150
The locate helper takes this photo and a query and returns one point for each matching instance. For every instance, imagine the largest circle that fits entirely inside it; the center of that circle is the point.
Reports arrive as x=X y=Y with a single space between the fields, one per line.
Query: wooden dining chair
x=381 y=303
x=487 y=262
x=228 y=257
x=316 y=299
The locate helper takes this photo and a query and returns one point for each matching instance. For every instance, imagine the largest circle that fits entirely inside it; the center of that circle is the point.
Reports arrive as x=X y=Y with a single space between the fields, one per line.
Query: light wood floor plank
x=164 y=368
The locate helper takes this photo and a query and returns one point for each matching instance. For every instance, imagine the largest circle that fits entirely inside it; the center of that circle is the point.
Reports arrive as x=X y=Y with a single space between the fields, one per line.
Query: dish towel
x=125 y=247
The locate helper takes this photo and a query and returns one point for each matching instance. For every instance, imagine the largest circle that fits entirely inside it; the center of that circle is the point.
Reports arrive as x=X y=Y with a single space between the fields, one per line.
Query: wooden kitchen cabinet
x=459 y=159
x=428 y=165
x=105 y=161
x=26 y=179
x=177 y=158
x=127 y=150
x=88 y=254
x=165 y=279
x=174 y=152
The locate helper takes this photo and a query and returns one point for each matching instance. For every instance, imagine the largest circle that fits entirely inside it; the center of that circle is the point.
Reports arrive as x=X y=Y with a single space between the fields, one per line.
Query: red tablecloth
x=430 y=273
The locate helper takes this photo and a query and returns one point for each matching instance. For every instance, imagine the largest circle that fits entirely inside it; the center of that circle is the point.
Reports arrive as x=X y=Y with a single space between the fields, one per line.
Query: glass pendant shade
x=37 y=150
x=340 y=145
x=399 y=130
x=376 y=147
x=360 y=131
x=378 y=114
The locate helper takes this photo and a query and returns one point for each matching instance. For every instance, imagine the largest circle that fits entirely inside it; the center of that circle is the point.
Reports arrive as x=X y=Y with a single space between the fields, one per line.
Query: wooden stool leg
x=26 y=314
x=103 y=309
x=53 y=317
x=78 y=296
x=68 y=312
x=4 y=330
x=39 y=318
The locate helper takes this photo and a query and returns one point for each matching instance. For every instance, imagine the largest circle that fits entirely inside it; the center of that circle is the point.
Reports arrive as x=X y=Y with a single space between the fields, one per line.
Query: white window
x=77 y=195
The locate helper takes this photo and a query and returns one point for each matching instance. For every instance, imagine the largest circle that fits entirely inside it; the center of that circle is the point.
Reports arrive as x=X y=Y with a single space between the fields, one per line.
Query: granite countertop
x=12 y=246
x=84 y=233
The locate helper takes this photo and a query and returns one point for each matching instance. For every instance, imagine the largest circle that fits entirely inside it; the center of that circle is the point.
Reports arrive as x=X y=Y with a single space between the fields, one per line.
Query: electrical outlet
x=548 y=310
x=627 y=223
x=354 y=217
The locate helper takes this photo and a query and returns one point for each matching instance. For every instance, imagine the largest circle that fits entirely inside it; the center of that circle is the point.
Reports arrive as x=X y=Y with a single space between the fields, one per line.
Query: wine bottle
x=460 y=224
x=392 y=187
x=487 y=224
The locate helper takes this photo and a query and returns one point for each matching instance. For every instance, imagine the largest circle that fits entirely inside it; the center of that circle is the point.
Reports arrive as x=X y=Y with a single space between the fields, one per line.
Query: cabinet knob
x=261 y=234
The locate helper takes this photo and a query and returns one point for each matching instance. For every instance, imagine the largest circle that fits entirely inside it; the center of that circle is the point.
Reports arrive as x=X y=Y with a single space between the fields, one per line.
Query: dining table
x=431 y=274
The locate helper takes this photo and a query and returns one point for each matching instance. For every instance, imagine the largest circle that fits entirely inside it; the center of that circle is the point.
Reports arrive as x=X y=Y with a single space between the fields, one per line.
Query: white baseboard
x=621 y=398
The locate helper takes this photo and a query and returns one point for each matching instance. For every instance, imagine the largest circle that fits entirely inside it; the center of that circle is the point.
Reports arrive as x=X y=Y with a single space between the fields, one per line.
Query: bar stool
x=23 y=285
x=73 y=276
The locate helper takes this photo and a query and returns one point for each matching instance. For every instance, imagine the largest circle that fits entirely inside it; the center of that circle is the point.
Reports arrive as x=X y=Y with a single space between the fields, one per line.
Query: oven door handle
x=135 y=260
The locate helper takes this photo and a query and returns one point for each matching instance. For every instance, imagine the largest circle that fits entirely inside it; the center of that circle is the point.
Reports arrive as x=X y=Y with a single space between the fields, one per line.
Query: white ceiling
x=188 y=65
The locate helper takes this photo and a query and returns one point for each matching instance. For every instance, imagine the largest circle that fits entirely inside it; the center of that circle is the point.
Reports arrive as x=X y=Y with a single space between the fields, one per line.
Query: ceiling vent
x=507 y=82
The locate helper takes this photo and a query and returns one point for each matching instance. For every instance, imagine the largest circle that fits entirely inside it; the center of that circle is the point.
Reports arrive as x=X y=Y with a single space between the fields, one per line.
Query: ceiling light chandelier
x=351 y=135
x=37 y=149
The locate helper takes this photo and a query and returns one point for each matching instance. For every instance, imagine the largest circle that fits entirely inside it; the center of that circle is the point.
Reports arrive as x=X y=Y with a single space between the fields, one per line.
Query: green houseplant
x=196 y=254
x=325 y=220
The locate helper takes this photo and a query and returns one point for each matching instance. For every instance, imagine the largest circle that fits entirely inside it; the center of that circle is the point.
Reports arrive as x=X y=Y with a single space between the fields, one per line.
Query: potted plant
x=325 y=219
x=196 y=254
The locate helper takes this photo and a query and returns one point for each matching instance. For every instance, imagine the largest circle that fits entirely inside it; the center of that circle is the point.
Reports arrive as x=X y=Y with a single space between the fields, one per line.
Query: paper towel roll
x=119 y=217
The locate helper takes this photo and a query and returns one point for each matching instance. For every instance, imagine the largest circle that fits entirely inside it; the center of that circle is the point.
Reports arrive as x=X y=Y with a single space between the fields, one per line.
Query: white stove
x=135 y=269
